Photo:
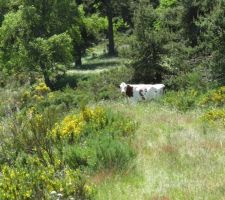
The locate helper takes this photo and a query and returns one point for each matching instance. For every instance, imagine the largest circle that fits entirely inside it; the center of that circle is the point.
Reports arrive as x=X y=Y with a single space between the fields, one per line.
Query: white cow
x=138 y=92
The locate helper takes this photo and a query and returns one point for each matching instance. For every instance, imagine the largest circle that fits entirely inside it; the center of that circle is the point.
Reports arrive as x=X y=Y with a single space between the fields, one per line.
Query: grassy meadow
x=178 y=157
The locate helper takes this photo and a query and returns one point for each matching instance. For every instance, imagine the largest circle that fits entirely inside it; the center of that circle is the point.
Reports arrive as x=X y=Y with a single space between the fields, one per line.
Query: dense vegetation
x=67 y=133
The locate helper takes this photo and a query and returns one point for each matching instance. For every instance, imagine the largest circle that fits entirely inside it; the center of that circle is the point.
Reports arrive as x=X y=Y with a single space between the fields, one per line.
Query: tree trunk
x=78 y=61
x=111 y=46
x=47 y=80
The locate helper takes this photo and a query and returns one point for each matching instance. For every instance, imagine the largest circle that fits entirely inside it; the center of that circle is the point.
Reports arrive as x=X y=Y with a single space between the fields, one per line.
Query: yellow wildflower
x=70 y=125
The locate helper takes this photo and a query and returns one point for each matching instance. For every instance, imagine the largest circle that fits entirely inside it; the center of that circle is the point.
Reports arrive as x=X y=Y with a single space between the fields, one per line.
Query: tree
x=3 y=10
x=148 y=45
x=212 y=25
x=92 y=26
x=39 y=36
x=110 y=9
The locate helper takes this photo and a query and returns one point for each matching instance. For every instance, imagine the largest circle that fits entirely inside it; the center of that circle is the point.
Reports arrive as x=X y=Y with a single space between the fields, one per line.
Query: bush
x=100 y=152
x=41 y=98
x=113 y=153
x=103 y=86
x=197 y=80
x=70 y=127
x=46 y=150
x=214 y=116
x=104 y=143
x=80 y=156
x=31 y=179
x=214 y=97
x=29 y=133
x=182 y=100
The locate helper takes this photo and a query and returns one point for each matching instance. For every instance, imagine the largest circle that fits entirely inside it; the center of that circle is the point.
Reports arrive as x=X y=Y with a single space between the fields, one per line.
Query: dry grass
x=178 y=157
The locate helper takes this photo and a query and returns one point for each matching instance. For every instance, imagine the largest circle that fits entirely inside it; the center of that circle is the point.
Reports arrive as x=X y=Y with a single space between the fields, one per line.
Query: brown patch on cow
x=141 y=94
x=129 y=91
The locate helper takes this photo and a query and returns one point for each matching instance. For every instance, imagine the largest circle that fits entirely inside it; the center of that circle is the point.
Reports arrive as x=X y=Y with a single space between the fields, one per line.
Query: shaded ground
x=97 y=61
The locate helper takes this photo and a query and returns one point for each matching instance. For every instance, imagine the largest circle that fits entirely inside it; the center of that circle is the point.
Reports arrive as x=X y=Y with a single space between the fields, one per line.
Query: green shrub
x=80 y=156
x=112 y=153
x=103 y=86
x=100 y=152
x=105 y=137
x=67 y=97
x=34 y=180
x=28 y=132
x=45 y=149
x=120 y=125
x=182 y=100
x=214 y=97
x=214 y=116
x=197 y=80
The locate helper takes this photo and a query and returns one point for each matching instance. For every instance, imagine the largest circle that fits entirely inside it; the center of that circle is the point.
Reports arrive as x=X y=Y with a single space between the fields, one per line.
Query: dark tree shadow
x=102 y=56
x=97 y=65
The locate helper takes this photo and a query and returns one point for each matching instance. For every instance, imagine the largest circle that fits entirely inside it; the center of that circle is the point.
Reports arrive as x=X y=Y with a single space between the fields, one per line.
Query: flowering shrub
x=58 y=151
x=37 y=181
x=42 y=88
x=73 y=125
x=40 y=91
x=12 y=184
x=215 y=116
x=70 y=127
x=103 y=142
x=26 y=96
x=97 y=117
x=214 y=97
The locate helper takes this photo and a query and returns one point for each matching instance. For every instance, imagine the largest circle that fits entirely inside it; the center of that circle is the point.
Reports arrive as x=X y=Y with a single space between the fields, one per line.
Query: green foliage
x=39 y=36
x=167 y=3
x=13 y=51
x=30 y=179
x=213 y=38
x=46 y=151
x=196 y=79
x=148 y=45
x=67 y=99
x=103 y=86
x=56 y=48
x=80 y=157
x=214 y=116
x=214 y=97
x=120 y=24
x=113 y=153
x=94 y=23
x=102 y=136
x=182 y=100
x=195 y=97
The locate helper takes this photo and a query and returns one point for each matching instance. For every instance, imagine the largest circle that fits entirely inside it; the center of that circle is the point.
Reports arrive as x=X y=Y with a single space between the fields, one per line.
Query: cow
x=138 y=92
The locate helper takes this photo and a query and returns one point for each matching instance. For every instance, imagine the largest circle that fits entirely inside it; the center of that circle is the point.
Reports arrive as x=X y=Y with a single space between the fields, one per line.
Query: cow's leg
x=133 y=100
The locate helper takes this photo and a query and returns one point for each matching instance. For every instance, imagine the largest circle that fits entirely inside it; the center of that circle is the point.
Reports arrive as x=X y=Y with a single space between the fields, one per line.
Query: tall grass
x=179 y=157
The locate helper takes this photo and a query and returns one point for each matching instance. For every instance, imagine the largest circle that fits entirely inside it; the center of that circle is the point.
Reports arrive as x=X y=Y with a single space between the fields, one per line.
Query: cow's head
x=126 y=89
x=123 y=87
